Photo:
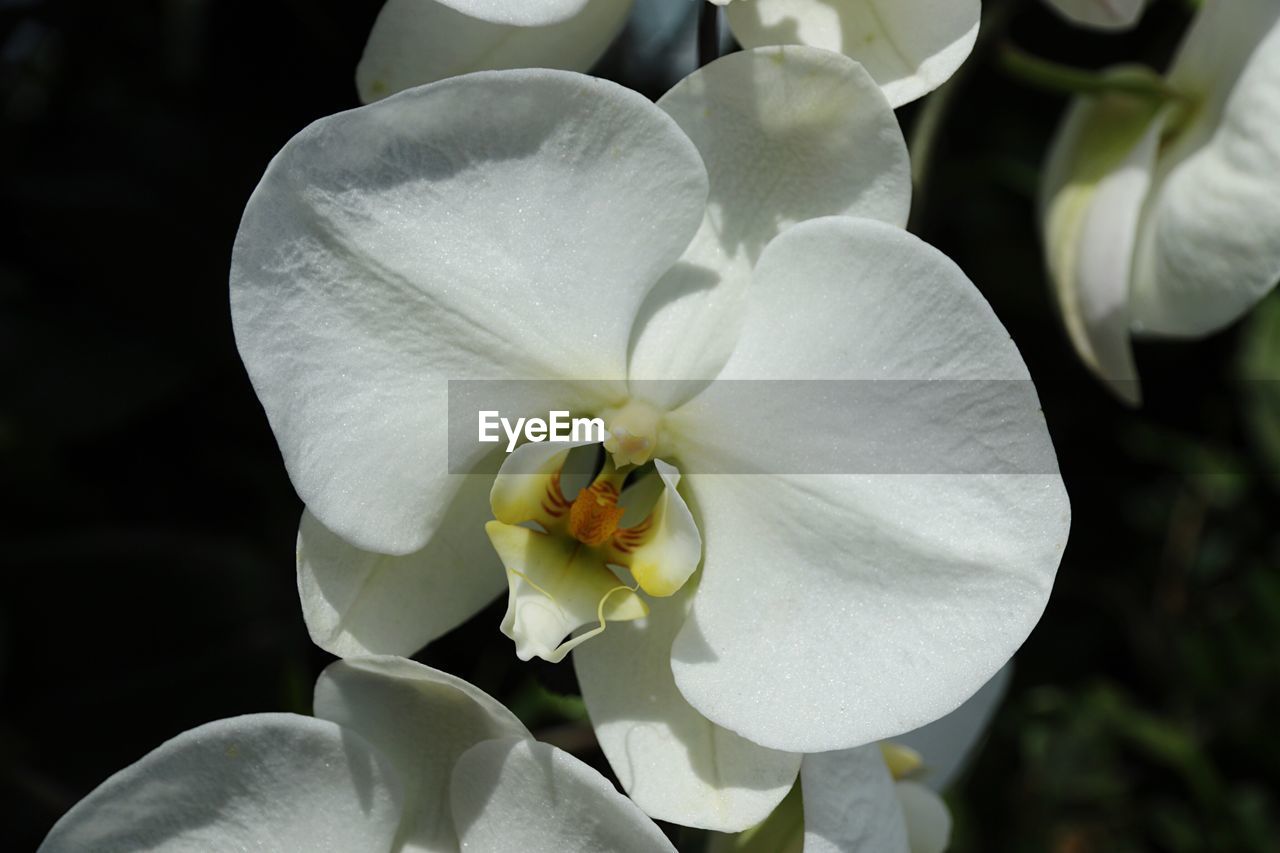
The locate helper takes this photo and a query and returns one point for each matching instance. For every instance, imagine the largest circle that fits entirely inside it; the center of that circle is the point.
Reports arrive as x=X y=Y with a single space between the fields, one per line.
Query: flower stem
x=1064 y=79
x=708 y=33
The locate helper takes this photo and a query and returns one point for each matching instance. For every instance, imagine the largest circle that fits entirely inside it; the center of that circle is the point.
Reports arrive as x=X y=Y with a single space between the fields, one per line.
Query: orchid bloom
x=1100 y=14
x=550 y=226
x=910 y=47
x=399 y=757
x=881 y=798
x=1161 y=215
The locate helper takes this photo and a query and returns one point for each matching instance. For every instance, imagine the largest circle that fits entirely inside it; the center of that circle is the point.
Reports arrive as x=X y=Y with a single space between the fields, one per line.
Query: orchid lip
x=563 y=556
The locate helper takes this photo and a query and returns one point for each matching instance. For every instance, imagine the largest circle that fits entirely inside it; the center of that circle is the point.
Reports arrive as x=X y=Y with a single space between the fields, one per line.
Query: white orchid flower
x=1162 y=216
x=1100 y=14
x=881 y=798
x=546 y=225
x=910 y=47
x=399 y=757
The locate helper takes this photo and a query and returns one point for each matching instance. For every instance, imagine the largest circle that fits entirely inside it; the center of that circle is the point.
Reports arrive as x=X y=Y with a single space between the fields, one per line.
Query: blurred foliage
x=148 y=524
x=1260 y=378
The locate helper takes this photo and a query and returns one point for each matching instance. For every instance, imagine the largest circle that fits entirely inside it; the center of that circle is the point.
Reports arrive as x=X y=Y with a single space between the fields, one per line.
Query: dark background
x=148 y=526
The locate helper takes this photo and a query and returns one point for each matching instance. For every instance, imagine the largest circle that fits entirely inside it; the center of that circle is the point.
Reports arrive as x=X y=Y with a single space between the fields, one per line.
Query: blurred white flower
x=421 y=41
x=399 y=757
x=1100 y=14
x=910 y=47
x=1161 y=215
x=547 y=225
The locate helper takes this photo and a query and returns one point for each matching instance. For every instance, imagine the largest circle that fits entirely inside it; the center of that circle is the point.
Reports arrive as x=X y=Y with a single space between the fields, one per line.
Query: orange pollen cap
x=595 y=514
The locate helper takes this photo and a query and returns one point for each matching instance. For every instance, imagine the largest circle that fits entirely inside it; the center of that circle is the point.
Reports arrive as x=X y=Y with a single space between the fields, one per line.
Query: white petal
x=788 y=134
x=927 y=818
x=1096 y=184
x=519 y=795
x=675 y=763
x=524 y=13
x=556 y=586
x=781 y=832
x=422 y=41
x=360 y=603
x=946 y=744
x=446 y=234
x=1208 y=250
x=669 y=550
x=422 y=719
x=881 y=316
x=850 y=804
x=270 y=782
x=838 y=609
x=1101 y=14
x=911 y=47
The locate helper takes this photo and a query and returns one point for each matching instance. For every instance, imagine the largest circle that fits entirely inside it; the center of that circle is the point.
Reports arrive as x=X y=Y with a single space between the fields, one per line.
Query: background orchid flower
x=910 y=47
x=420 y=41
x=398 y=757
x=1100 y=14
x=1161 y=215
x=545 y=225
x=880 y=798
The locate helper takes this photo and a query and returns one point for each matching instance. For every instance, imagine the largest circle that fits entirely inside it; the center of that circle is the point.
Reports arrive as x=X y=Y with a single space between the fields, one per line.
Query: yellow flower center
x=563 y=556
